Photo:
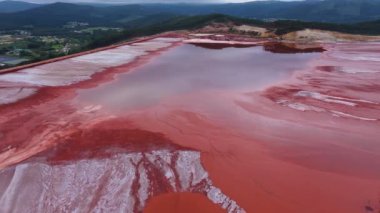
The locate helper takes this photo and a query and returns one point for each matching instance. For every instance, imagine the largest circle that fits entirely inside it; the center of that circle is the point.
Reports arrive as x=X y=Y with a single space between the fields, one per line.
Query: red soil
x=105 y=140
x=222 y=46
x=49 y=112
x=15 y=69
x=272 y=158
x=279 y=47
x=261 y=152
x=181 y=202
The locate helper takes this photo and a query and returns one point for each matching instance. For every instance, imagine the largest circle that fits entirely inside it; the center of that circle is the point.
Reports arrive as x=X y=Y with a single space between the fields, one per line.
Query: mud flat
x=167 y=122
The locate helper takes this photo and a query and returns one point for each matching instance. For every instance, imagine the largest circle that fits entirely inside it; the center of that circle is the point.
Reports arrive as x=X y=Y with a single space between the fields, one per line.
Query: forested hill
x=57 y=14
x=16 y=6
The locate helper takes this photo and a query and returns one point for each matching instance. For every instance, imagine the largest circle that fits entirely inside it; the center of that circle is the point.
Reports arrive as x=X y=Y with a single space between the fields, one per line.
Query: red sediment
x=219 y=46
x=326 y=68
x=280 y=159
x=14 y=69
x=183 y=202
x=272 y=176
x=256 y=148
x=106 y=139
x=34 y=114
x=45 y=94
x=278 y=47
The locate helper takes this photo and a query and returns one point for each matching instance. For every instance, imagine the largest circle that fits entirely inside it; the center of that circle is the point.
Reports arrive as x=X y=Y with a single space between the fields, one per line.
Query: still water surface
x=190 y=68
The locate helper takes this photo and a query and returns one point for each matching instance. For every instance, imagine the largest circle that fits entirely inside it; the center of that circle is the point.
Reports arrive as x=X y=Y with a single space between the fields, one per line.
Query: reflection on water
x=190 y=68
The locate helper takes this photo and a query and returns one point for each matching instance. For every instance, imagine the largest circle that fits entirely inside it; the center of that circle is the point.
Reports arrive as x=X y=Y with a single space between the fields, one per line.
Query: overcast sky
x=139 y=1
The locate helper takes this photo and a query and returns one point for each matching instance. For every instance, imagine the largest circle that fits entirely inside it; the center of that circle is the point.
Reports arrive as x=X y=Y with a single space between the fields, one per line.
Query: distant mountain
x=57 y=14
x=279 y=27
x=16 y=6
x=338 y=11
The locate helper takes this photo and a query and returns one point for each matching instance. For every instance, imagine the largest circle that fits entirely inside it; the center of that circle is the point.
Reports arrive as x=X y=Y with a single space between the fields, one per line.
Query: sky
x=140 y=1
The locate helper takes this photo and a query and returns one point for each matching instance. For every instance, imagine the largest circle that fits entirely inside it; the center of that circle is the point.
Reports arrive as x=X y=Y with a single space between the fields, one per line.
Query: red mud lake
x=164 y=125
